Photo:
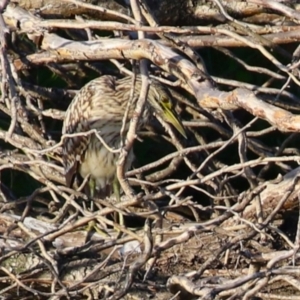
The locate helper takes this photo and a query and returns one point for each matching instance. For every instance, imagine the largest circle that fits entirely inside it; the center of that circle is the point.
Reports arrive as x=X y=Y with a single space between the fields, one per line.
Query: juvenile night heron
x=101 y=105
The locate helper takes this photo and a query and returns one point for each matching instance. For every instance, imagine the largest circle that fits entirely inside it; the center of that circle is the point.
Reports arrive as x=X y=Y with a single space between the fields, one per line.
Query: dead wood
x=214 y=216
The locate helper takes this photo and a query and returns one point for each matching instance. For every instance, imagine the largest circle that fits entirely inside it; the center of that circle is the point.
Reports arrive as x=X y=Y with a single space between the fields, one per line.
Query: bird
x=100 y=106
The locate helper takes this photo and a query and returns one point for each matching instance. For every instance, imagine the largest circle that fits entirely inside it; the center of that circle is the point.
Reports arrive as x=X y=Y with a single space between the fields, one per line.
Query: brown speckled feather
x=78 y=118
x=101 y=105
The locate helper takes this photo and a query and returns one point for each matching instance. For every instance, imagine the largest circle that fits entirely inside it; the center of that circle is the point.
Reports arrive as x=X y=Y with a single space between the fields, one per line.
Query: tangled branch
x=211 y=216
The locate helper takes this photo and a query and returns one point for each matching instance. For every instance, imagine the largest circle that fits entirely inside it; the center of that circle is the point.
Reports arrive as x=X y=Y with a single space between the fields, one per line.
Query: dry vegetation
x=213 y=216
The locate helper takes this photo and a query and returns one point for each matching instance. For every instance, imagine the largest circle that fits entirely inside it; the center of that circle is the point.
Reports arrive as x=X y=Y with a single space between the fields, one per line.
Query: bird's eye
x=165 y=102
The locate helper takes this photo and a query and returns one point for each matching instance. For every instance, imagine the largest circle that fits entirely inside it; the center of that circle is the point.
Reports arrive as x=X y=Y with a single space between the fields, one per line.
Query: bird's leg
x=92 y=224
x=92 y=186
x=117 y=193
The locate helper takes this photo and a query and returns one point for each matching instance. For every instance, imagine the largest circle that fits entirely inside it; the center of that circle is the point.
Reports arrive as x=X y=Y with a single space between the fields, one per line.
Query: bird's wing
x=73 y=148
x=78 y=119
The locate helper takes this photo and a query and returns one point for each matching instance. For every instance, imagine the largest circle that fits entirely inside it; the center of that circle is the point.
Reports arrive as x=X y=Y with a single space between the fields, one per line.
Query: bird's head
x=163 y=105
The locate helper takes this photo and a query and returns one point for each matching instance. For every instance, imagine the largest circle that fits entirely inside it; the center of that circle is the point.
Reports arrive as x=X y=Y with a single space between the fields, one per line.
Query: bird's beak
x=171 y=117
